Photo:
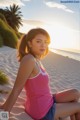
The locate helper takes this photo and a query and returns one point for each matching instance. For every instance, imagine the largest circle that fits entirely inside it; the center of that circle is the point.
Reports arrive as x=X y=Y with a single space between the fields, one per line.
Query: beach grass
x=3 y=78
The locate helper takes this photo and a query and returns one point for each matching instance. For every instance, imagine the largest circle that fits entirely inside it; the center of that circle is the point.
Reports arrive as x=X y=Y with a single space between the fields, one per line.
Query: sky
x=61 y=18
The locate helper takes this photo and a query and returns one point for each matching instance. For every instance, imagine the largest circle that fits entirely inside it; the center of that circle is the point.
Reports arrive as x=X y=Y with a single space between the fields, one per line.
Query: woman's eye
x=38 y=41
x=45 y=42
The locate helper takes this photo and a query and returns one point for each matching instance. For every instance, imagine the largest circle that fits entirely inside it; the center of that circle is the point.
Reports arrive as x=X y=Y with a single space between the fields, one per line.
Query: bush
x=3 y=78
x=9 y=37
x=1 y=41
x=2 y=17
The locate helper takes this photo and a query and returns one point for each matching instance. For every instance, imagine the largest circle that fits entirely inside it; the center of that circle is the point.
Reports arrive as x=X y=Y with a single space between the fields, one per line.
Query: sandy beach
x=64 y=74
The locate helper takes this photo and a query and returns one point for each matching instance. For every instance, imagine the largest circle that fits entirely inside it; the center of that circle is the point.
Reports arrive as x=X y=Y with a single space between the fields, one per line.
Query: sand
x=64 y=74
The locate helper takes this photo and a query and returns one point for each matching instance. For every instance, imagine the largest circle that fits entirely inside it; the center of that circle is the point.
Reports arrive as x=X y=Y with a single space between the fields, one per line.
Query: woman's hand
x=2 y=106
x=6 y=113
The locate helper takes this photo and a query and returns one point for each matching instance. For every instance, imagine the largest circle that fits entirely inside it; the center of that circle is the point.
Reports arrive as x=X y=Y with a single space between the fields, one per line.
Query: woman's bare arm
x=25 y=69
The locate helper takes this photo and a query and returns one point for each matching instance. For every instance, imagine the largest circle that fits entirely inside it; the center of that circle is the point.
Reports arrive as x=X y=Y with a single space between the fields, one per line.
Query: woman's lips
x=42 y=50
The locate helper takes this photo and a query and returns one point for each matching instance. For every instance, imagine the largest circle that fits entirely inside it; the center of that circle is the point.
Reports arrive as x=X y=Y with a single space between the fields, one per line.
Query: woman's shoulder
x=28 y=58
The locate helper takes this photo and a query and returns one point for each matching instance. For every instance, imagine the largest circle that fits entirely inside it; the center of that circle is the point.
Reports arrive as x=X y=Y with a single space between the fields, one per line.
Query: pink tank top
x=39 y=97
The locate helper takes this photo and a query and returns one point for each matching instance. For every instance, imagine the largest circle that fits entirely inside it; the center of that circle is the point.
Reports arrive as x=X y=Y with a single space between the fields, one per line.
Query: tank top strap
x=42 y=70
x=38 y=63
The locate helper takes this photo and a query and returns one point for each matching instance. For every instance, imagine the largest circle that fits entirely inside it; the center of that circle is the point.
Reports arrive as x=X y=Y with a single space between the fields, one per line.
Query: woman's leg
x=67 y=109
x=68 y=96
x=73 y=117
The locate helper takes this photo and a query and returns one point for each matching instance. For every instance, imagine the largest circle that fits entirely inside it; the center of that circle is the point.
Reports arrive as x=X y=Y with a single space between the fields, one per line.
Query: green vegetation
x=2 y=17
x=3 y=78
x=3 y=81
x=9 y=37
x=13 y=16
x=10 y=21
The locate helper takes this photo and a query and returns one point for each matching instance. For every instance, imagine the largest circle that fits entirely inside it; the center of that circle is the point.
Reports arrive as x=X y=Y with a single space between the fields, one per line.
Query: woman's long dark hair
x=23 y=47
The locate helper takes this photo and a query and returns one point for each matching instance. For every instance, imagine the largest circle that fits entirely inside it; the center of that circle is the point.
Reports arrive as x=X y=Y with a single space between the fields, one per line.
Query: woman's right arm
x=25 y=69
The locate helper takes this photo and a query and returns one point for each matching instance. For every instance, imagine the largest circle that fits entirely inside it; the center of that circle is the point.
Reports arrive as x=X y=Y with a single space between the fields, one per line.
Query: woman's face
x=39 y=44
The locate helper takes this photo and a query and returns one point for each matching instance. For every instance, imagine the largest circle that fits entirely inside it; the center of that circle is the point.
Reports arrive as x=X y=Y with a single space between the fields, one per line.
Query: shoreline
x=69 y=54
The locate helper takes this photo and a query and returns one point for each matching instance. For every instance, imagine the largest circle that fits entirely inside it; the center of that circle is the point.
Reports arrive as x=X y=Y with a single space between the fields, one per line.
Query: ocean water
x=70 y=54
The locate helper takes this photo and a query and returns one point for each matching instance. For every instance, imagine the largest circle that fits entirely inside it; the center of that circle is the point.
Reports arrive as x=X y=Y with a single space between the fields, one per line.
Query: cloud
x=25 y=0
x=58 y=6
x=33 y=22
x=6 y=3
x=29 y=24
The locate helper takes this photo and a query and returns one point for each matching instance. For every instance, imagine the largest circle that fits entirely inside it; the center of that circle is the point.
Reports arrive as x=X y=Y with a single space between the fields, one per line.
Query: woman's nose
x=43 y=45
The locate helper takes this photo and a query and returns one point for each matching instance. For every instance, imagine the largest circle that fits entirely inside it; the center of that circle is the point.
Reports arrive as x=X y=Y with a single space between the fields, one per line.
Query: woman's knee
x=76 y=94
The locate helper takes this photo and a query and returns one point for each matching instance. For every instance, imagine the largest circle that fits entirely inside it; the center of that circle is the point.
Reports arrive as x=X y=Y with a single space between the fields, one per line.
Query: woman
x=40 y=103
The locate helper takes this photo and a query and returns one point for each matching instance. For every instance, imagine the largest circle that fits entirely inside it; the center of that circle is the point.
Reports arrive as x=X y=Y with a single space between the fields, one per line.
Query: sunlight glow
x=61 y=37
x=25 y=28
